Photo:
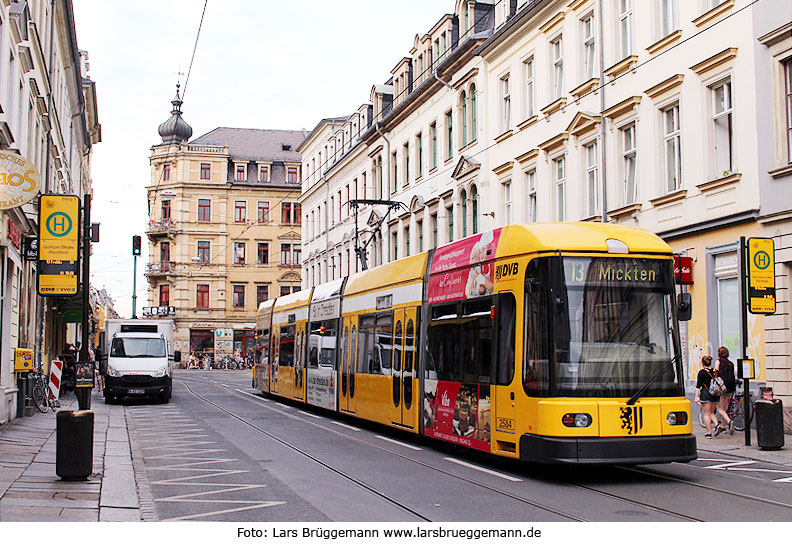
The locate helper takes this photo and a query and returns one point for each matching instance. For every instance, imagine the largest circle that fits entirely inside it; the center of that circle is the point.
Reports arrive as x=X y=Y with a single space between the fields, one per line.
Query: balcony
x=159 y=228
x=160 y=268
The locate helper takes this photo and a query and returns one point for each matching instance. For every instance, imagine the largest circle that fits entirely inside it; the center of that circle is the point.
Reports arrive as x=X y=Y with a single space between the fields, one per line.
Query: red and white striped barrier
x=56 y=369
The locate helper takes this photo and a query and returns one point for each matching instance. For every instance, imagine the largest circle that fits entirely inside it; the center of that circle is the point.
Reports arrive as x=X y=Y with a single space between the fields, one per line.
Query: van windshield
x=138 y=348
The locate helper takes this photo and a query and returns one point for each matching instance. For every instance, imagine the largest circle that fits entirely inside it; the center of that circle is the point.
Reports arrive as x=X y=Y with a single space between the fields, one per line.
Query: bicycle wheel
x=739 y=415
x=40 y=398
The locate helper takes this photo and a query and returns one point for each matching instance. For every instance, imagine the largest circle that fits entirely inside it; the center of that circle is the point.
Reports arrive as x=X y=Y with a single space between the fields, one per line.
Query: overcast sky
x=259 y=64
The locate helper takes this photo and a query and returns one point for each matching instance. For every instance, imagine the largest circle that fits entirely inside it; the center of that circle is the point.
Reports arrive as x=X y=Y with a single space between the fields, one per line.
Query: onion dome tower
x=175 y=130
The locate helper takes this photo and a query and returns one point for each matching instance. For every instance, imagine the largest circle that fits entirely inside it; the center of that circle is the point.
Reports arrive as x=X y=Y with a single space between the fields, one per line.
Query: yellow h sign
x=761 y=276
x=59 y=244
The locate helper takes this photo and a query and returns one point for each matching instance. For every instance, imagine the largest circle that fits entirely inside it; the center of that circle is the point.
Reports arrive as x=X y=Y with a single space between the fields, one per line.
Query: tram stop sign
x=59 y=244
x=761 y=276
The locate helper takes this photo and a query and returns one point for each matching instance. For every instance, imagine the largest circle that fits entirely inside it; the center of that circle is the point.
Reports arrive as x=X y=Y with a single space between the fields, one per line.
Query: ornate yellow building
x=224 y=231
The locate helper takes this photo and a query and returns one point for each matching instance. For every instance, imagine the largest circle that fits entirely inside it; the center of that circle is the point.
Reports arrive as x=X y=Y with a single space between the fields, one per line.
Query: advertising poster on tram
x=458 y=413
x=322 y=388
x=463 y=269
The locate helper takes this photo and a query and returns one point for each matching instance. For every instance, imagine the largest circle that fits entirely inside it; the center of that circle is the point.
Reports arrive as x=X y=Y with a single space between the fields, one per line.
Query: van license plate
x=135 y=391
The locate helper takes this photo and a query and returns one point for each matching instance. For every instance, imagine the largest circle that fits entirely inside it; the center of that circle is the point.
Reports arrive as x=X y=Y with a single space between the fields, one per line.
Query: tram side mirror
x=684 y=307
x=177 y=356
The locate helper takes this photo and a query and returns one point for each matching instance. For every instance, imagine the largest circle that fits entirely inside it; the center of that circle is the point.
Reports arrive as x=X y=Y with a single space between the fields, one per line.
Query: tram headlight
x=577 y=420
x=677 y=419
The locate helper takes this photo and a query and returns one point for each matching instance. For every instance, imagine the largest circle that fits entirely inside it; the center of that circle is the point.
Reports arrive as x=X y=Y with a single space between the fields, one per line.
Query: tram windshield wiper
x=642 y=390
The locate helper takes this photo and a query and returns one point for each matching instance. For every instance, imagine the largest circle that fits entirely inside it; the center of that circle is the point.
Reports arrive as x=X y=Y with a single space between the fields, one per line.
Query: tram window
x=365 y=353
x=397 y=346
x=409 y=339
x=444 y=342
x=476 y=333
x=352 y=349
x=286 y=346
x=345 y=353
x=506 y=314
x=383 y=346
x=536 y=369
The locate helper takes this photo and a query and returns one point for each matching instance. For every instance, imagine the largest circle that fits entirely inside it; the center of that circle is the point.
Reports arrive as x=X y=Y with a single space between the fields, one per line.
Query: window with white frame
x=530 y=184
x=406 y=157
x=592 y=179
x=722 y=130
x=668 y=17
x=673 y=148
x=557 y=53
x=507 y=202
x=589 y=47
x=559 y=175
x=626 y=27
x=505 y=103
x=629 y=163
x=240 y=172
x=529 y=98
x=788 y=105
x=463 y=112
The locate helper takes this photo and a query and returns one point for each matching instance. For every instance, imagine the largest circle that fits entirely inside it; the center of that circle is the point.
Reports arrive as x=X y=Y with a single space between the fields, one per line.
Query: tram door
x=299 y=362
x=347 y=402
x=274 y=353
x=402 y=378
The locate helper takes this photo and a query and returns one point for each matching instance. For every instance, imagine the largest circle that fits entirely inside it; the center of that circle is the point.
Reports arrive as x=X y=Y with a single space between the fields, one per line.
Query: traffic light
x=136 y=245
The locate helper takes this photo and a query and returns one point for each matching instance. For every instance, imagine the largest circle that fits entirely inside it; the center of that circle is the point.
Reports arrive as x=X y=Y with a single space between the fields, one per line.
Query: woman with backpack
x=725 y=369
x=704 y=397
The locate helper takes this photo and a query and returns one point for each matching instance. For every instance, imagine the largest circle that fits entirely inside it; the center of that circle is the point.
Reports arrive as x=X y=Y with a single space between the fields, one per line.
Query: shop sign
x=30 y=248
x=168 y=193
x=14 y=235
x=159 y=311
x=683 y=269
x=203 y=325
x=761 y=276
x=19 y=180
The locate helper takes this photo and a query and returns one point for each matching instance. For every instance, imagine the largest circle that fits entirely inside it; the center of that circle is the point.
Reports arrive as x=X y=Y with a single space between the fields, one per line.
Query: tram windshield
x=601 y=327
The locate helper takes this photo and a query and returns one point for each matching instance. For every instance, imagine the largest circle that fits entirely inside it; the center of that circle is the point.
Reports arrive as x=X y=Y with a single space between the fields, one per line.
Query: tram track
x=729 y=493
x=309 y=456
x=567 y=515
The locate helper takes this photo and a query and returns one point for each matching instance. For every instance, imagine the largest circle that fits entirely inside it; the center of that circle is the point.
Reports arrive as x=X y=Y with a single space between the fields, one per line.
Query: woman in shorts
x=707 y=401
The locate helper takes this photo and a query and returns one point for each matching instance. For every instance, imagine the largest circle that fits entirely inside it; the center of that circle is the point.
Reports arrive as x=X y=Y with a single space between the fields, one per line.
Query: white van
x=140 y=359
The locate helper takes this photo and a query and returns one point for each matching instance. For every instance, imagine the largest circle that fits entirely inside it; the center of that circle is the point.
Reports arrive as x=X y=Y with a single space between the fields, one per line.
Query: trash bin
x=769 y=424
x=74 y=445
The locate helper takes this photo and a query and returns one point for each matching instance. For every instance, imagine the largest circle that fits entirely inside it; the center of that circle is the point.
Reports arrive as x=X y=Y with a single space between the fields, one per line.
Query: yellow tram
x=551 y=343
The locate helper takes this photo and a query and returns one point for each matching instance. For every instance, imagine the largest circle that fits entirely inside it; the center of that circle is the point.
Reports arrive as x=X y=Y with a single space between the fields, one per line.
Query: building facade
x=672 y=116
x=48 y=114
x=224 y=231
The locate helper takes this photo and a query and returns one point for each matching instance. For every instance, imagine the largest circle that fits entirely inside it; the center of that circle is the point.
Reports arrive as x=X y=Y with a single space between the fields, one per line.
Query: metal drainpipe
x=603 y=177
x=441 y=81
x=387 y=172
x=41 y=307
x=328 y=253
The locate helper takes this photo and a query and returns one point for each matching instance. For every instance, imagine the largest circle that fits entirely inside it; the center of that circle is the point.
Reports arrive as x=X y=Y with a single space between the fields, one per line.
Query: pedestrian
x=704 y=397
x=725 y=369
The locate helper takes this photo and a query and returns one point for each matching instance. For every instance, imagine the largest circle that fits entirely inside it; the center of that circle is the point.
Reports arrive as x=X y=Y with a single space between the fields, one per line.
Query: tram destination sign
x=628 y=272
x=761 y=276
x=59 y=248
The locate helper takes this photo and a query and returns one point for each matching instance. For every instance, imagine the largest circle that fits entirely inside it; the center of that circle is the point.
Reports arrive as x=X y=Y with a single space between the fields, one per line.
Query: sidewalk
x=734 y=445
x=31 y=491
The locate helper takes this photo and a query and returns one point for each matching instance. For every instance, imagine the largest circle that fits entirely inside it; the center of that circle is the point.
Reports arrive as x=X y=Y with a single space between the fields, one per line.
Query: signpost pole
x=744 y=335
x=134 y=288
x=86 y=283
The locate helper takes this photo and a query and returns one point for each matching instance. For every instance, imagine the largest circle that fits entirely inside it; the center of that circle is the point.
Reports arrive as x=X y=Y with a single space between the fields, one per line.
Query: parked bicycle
x=41 y=394
x=736 y=410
